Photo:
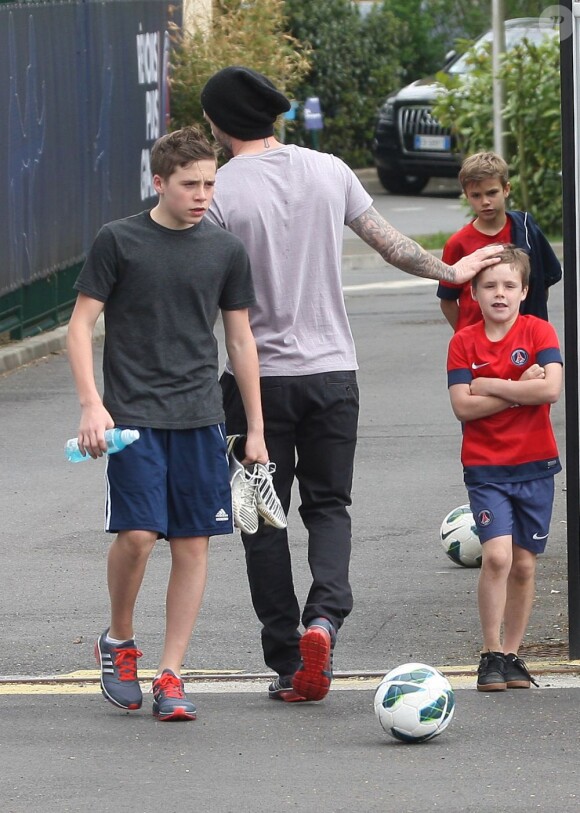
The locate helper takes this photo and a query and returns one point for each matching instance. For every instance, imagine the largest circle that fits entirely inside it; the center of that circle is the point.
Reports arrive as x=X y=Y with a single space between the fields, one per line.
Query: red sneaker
x=313 y=678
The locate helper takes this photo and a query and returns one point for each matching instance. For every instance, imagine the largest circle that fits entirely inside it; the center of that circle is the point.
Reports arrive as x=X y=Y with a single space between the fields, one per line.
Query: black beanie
x=243 y=103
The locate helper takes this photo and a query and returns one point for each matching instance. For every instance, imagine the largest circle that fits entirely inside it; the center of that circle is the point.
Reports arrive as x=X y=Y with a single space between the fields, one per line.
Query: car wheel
x=402 y=184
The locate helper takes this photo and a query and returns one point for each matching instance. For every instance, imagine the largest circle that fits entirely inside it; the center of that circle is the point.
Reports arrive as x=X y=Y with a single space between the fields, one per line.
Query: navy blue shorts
x=174 y=482
x=520 y=510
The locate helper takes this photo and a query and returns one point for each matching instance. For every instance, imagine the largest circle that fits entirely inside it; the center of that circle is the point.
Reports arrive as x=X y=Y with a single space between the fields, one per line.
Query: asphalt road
x=438 y=209
x=407 y=478
x=514 y=753
x=65 y=749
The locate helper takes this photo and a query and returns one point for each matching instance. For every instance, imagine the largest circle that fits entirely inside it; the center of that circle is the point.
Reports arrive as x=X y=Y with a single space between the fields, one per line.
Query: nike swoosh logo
x=535 y=536
x=475 y=366
x=444 y=536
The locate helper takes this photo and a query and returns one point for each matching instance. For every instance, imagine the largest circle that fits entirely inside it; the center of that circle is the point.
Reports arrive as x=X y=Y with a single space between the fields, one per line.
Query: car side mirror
x=449 y=56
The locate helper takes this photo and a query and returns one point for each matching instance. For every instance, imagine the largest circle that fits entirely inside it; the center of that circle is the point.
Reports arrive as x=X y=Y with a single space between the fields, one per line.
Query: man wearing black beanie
x=288 y=205
x=243 y=103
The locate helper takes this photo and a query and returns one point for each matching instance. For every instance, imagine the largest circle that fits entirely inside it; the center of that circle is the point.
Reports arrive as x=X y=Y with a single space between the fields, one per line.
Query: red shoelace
x=170 y=685
x=126 y=662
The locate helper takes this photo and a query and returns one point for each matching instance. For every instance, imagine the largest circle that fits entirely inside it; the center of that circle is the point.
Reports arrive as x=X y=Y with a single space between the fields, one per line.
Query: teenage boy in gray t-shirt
x=161 y=277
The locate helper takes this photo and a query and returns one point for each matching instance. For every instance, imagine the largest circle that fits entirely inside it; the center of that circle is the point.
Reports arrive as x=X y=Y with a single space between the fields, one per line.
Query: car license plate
x=429 y=142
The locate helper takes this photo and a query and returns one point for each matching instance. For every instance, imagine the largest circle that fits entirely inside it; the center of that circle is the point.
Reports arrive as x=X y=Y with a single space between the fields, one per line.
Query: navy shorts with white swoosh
x=522 y=510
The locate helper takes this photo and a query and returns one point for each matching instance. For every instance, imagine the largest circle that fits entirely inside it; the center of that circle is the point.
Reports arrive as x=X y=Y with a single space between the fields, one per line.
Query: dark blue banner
x=84 y=94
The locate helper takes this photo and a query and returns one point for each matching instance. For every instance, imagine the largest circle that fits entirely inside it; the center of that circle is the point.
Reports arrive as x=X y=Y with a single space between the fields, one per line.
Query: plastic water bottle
x=117 y=440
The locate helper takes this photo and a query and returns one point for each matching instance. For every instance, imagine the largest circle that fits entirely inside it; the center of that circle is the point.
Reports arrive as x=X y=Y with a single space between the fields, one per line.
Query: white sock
x=116 y=641
x=158 y=675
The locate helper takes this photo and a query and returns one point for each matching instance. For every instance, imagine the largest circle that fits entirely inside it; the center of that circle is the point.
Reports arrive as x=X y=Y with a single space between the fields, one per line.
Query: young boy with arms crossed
x=503 y=374
x=485 y=184
x=161 y=277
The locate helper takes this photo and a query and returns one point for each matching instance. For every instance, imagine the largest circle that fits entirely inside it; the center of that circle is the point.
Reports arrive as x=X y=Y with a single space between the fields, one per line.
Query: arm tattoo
x=397 y=249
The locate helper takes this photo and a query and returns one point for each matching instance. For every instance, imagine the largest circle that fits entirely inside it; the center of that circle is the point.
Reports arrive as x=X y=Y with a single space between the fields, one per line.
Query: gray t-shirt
x=162 y=290
x=289 y=207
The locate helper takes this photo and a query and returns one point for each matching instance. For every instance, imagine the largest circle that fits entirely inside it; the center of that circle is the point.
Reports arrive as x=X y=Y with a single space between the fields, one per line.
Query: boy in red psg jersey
x=503 y=373
x=484 y=180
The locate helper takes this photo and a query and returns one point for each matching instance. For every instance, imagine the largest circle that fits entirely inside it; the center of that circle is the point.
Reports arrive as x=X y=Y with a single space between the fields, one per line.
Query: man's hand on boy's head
x=467 y=267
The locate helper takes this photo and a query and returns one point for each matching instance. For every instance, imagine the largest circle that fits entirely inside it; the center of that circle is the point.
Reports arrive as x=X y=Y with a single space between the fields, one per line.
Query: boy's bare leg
x=184 y=596
x=520 y=597
x=492 y=589
x=127 y=560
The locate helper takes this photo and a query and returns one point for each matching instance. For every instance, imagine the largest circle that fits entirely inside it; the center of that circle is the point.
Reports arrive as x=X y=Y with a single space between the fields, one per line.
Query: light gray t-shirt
x=162 y=290
x=289 y=207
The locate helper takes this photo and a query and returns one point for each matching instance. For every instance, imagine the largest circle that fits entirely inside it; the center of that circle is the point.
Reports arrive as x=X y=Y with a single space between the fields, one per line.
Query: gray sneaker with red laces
x=118 y=665
x=169 y=699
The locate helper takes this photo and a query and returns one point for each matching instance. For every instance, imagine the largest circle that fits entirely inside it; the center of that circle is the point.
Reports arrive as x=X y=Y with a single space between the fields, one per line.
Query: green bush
x=531 y=118
x=239 y=33
x=427 y=31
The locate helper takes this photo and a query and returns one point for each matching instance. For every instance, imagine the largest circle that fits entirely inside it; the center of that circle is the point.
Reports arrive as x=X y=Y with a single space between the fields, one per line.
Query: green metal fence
x=84 y=95
x=42 y=305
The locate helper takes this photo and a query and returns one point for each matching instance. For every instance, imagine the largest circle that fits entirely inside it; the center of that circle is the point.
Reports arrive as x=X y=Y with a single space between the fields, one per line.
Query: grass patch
x=432 y=242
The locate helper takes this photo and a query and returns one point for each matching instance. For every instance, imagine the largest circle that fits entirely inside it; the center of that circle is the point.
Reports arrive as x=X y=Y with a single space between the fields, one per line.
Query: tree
x=531 y=116
x=431 y=28
x=253 y=34
x=354 y=64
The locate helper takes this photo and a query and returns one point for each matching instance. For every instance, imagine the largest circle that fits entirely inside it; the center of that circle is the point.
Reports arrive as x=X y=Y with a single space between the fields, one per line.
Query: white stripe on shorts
x=107 y=498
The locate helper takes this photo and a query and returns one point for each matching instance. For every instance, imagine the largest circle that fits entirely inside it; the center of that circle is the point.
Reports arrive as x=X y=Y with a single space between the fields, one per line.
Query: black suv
x=409 y=145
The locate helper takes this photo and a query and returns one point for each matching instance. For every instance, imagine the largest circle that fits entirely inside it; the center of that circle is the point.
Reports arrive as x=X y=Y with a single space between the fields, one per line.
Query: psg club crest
x=484 y=517
x=519 y=357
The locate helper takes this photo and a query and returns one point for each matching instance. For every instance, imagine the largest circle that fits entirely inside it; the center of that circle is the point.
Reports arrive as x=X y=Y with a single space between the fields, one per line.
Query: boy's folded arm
x=468 y=407
x=531 y=392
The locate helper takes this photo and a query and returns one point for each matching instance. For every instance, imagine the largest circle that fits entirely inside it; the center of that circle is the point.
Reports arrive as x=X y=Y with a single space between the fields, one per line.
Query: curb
x=21 y=353
x=17 y=354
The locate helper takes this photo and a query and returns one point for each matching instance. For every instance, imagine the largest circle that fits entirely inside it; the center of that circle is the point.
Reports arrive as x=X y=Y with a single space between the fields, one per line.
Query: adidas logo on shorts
x=222 y=516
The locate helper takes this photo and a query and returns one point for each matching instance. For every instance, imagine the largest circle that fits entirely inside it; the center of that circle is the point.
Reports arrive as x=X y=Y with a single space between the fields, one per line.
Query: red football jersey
x=518 y=443
x=464 y=242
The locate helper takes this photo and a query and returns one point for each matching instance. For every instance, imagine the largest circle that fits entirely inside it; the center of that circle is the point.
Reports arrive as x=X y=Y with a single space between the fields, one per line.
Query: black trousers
x=311 y=430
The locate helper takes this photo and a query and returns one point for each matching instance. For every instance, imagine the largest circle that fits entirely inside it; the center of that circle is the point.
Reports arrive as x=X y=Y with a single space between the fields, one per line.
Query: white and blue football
x=414 y=702
x=459 y=537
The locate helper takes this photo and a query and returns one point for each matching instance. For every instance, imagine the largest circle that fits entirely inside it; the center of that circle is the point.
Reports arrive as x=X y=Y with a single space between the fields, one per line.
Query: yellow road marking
x=95 y=674
x=204 y=681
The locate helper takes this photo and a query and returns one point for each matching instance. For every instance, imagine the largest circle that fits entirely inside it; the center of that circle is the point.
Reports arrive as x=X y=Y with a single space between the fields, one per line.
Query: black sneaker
x=313 y=678
x=517 y=675
x=491 y=672
x=118 y=665
x=169 y=699
x=281 y=689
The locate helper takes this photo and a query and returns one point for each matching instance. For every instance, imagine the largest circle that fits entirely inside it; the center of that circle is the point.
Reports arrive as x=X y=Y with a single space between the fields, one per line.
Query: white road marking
x=393 y=285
